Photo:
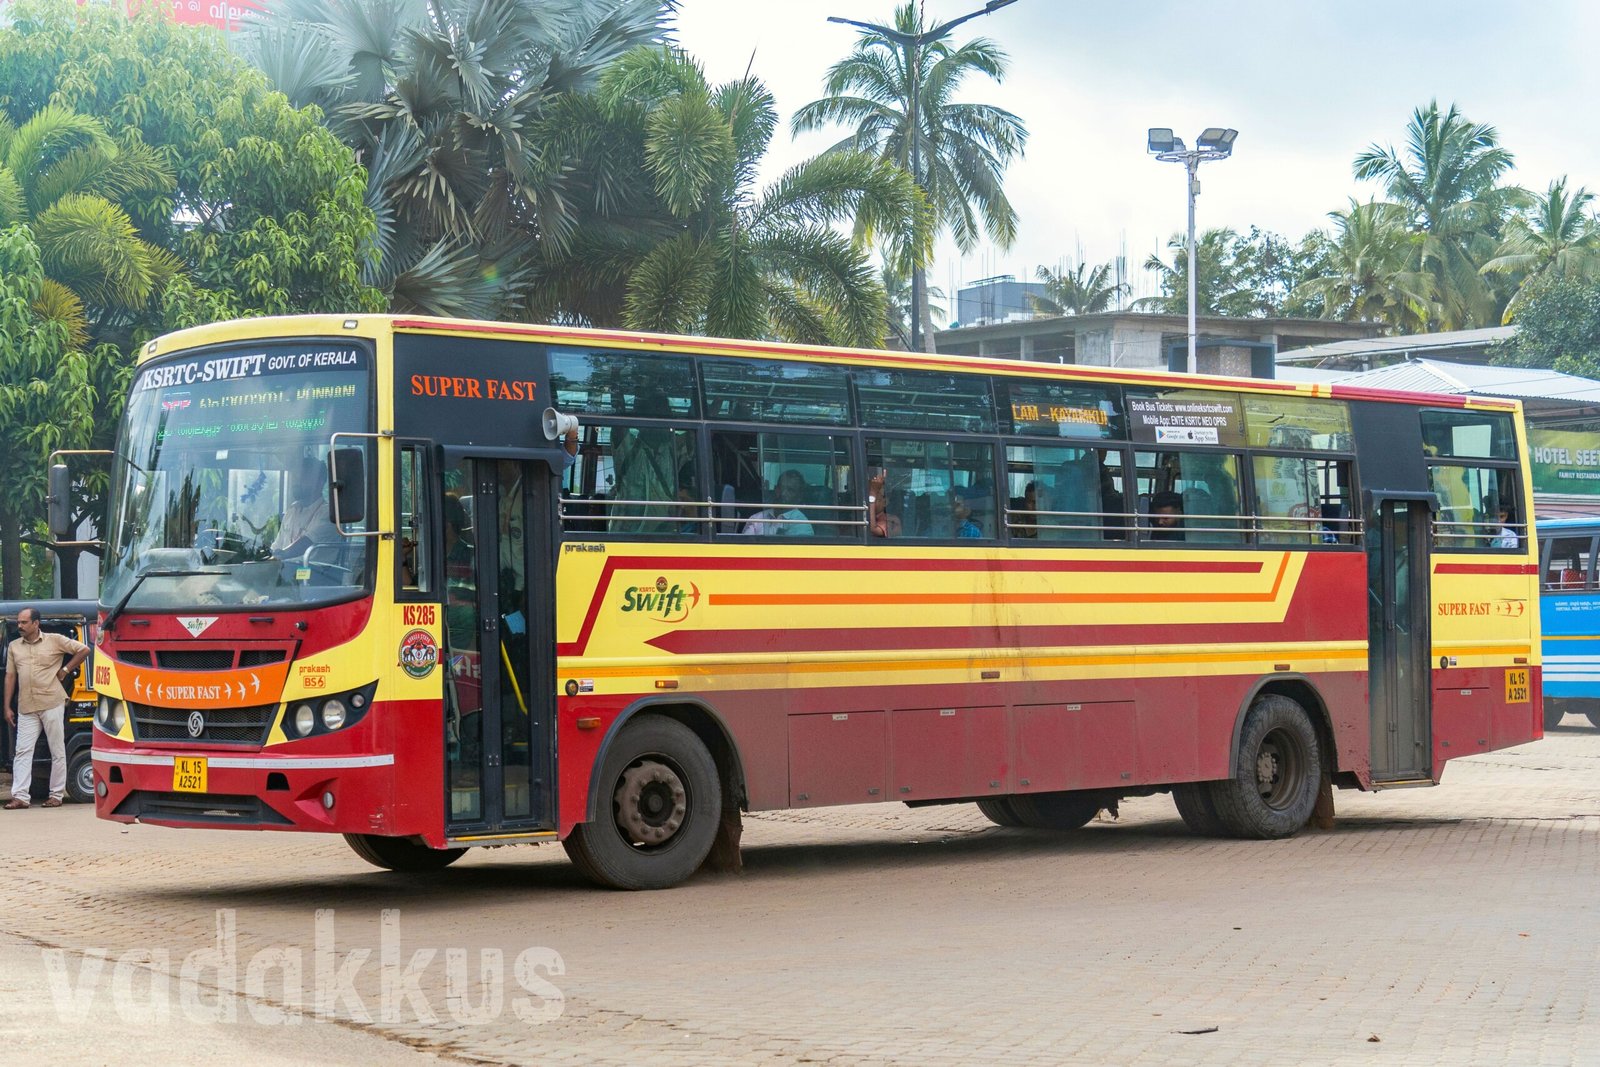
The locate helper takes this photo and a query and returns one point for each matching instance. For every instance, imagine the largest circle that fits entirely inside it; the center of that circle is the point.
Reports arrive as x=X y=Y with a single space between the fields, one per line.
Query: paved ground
x=1454 y=925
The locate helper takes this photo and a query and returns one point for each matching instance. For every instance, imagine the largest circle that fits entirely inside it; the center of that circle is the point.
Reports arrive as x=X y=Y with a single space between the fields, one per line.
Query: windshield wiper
x=138 y=580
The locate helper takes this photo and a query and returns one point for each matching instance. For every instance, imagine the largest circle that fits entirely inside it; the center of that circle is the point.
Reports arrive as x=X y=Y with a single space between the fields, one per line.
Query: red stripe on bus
x=1486 y=568
x=1134 y=566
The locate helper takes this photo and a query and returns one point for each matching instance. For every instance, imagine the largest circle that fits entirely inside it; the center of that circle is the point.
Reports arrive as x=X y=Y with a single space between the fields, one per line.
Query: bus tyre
x=1277 y=772
x=401 y=853
x=998 y=811
x=661 y=798
x=1593 y=715
x=1193 y=800
x=80 y=778
x=1054 y=811
x=1555 y=710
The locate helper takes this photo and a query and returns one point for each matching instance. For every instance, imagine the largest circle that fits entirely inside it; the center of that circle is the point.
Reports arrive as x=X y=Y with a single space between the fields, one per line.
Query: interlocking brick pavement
x=1455 y=925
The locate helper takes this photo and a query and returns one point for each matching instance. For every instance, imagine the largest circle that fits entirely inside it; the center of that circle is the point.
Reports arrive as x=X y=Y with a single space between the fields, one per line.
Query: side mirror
x=347 y=484
x=59 y=502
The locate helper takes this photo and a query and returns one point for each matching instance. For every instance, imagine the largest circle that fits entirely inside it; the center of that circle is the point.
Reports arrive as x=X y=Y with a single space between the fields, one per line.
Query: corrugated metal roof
x=1408 y=343
x=1439 y=376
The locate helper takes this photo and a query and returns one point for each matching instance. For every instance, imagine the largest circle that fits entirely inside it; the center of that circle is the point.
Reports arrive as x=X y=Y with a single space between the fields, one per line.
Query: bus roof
x=374 y=325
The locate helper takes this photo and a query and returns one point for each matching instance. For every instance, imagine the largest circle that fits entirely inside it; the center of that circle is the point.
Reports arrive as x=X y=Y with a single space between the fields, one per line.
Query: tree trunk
x=922 y=311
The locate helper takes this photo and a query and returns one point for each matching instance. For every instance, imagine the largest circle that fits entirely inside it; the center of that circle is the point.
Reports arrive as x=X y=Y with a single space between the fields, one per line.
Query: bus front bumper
x=247 y=791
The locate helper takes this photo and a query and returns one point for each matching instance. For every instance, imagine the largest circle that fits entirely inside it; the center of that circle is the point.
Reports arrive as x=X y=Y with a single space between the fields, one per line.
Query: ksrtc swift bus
x=355 y=582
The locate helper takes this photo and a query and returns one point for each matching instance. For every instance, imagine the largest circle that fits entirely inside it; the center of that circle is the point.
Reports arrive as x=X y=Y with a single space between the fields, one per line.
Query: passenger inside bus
x=784 y=518
x=971 y=507
x=1166 y=517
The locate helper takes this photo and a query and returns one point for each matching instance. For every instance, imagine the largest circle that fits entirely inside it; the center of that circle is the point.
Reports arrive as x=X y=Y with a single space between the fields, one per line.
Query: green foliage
x=450 y=103
x=256 y=200
x=1235 y=275
x=1445 y=186
x=1556 y=237
x=1558 y=328
x=1081 y=290
x=706 y=251
x=162 y=184
x=1367 y=270
x=46 y=397
x=961 y=149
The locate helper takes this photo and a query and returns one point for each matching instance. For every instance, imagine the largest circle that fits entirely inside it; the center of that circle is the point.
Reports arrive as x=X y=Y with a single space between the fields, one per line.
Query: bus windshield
x=219 y=488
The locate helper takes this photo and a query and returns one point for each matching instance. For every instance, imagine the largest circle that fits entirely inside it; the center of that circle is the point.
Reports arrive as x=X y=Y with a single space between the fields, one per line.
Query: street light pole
x=912 y=43
x=1213 y=143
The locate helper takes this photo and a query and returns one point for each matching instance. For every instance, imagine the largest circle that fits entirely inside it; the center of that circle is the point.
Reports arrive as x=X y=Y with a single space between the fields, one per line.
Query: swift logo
x=196 y=624
x=663 y=602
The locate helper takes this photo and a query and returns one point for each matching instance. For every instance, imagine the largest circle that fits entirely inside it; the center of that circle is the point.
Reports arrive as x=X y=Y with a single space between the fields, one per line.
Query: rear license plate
x=189 y=774
x=1516 y=685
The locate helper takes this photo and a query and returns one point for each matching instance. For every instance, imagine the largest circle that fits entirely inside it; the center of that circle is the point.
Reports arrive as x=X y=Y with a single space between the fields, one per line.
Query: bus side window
x=937 y=489
x=1202 y=487
x=1568 y=564
x=414 y=541
x=1479 y=507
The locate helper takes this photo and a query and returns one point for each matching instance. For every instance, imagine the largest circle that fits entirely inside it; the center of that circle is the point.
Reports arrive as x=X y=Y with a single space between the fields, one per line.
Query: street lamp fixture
x=911 y=42
x=1214 y=142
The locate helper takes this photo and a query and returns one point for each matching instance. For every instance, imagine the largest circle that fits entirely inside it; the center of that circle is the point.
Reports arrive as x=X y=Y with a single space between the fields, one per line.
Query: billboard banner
x=1565 y=461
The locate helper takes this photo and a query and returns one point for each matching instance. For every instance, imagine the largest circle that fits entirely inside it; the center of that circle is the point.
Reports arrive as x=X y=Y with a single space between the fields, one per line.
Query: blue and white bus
x=1569 y=607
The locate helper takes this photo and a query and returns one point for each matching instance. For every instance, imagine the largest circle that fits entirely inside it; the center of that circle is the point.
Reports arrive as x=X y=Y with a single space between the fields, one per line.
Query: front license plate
x=1516 y=685
x=189 y=774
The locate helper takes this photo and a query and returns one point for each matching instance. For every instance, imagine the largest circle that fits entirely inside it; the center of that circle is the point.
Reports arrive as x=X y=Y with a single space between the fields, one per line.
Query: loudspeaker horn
x=557 y=424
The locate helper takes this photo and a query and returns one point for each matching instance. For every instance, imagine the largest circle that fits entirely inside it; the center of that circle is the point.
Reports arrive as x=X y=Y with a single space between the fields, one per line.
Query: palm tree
x=1216 y=284
x=1368 y=270
x=714 y=253
x=445 y=100
x=1079 y=291
x=1447 y=183
x=961 y=149
x=62 y=176
x=897 y=296
x=1558 y=238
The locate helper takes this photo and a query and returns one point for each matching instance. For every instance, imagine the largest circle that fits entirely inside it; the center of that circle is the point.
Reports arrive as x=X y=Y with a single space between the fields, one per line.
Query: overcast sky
x=1307 y=84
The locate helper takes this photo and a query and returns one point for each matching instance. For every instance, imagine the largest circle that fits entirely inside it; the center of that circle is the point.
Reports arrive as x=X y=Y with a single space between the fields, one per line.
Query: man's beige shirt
x=35 y=664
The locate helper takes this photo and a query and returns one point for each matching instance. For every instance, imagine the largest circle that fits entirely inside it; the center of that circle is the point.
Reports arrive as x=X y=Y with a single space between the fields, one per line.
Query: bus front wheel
x=401 y=854
x=1277 y=772
x=662 y=799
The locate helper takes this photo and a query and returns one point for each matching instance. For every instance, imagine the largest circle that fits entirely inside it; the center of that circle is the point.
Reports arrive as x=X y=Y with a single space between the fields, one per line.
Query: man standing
x=34 y=673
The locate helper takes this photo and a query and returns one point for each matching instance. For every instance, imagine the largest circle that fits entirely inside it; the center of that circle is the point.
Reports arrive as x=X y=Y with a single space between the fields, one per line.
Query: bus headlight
x=332 y=714
x=108 y=716
x=304 y=719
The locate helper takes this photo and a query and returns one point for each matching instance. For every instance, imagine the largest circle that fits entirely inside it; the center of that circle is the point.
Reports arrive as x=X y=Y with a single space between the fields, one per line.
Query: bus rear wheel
x=1193 y=800
x=1555 y=709
x=401 y=853
x=662 y=798
x=998 y=811
x=1054 y=811
x=1277 y=772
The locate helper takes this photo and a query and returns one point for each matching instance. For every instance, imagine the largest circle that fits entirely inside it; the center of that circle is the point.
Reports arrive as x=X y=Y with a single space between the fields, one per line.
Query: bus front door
x=499 y=619
x=1399 y=639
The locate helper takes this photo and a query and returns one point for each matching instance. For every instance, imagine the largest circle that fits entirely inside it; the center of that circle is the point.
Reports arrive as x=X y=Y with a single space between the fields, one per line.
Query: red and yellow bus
x=356 y=582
